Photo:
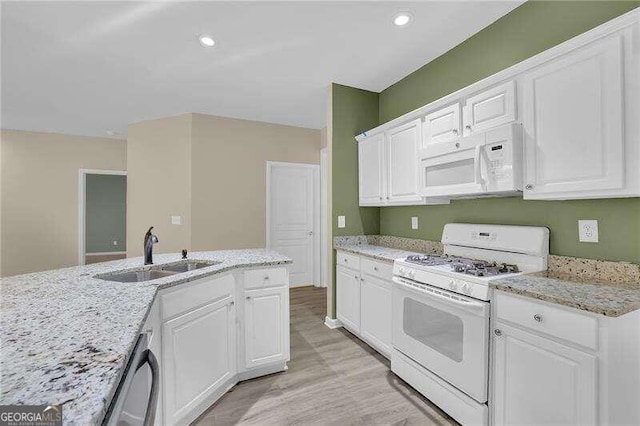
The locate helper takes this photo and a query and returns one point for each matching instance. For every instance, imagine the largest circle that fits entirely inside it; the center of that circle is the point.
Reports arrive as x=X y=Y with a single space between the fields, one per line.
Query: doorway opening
x=102 y=213
x=293 y=218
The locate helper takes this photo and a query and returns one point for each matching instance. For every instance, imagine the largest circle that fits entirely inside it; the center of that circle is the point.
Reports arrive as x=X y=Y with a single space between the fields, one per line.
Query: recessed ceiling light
x=402 y=19
x=207 y=41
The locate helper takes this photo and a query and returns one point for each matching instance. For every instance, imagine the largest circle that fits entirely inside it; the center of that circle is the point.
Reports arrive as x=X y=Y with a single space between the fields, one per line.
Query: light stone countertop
x=384 y=254
x=67 y=336
x=612 y=300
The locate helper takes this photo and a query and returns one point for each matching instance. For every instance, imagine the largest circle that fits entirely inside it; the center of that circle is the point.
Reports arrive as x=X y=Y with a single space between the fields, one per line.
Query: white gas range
x=441 y=311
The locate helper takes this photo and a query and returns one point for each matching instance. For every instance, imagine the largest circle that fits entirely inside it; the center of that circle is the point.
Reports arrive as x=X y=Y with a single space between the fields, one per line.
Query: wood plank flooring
x=333 y=378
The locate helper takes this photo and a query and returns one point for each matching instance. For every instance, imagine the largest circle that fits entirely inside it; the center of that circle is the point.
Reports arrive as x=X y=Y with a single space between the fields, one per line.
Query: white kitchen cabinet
x=537 y=381
x=375 y=313
x=402 y=162
x=441 y=126
x=199 y=355
x=490 y=108
x=348 y=298
x=266 y=326
x=371 y=170
x=573 y=122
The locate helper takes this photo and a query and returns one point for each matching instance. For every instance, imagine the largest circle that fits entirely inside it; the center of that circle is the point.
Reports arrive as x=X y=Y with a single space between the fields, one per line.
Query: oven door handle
x=149 y=358
x=462 y=303
x=478 y=166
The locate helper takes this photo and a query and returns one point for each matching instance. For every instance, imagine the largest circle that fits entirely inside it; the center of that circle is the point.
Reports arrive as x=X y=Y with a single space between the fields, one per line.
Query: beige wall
x=209 y=170
x=39 y=191
x=229 y=176
x=158 y=183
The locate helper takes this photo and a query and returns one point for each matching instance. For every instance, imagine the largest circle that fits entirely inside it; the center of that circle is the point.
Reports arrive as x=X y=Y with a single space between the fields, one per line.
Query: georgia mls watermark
x=30 y=415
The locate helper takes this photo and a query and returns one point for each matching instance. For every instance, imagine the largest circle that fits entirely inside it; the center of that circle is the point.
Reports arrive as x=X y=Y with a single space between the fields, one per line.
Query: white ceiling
x=90 y=67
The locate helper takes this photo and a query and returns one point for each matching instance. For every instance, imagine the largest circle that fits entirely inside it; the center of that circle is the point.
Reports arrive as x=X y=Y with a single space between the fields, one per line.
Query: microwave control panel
x=499 y=161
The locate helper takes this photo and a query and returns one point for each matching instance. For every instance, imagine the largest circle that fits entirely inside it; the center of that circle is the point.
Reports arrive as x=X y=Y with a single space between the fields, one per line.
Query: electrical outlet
x=341 y=222
x=414 y=222
x=115 y=243
x=588 y=231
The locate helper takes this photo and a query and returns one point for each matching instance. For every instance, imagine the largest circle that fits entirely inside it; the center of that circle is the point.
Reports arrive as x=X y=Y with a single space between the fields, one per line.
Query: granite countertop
x=384 y=254
x=66 y=336
x=610 y=299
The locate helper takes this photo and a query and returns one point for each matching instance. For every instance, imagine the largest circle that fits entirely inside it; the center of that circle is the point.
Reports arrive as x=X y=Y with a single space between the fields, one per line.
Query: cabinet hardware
x=310 y=232
x=457 y=145
x=248 y=297
x=266 y=277
x=468 y=127
x=529 y=186
x=497 y=332
x=454 y=131
x=537 y=317
x=361 y=279
x=375 y=268
x=232 y=303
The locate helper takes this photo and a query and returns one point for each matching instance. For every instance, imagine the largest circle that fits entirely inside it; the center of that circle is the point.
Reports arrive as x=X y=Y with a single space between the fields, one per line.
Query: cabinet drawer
x=259 y=278
x=175 y=302
x=377 y=269
x=348 y=260
x=543 y=318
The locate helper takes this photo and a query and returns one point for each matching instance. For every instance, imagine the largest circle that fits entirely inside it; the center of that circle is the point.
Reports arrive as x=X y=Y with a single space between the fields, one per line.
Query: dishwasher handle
x=149 y=358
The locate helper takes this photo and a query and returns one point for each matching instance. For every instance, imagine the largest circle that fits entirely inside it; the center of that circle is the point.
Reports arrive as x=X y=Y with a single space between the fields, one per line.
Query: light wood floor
x=333 y=378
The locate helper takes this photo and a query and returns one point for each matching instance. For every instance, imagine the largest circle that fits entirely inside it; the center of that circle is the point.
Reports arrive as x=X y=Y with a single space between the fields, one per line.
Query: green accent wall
x=353 y=111
x=526 y=31
x=106 y=213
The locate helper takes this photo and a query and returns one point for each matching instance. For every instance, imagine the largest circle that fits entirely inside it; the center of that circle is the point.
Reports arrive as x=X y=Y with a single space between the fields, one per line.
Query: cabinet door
x=573 y=122
x=371 y=170
x=375 y=307
x=348 y=298
x=490 y=108
x=266 y=326
x=199 y=357
x=441 y=126
x=540 y=382
x=402 y=162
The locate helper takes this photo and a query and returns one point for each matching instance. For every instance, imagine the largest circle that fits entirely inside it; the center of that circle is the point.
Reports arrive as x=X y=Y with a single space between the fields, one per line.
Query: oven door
x=445 y=332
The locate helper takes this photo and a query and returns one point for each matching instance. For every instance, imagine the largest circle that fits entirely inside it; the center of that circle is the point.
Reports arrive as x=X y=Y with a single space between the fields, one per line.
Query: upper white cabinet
x=402 y=155
x=578 y=102
x=441 y=126
x=371 y=170
x=573 y=121
x=490 y=108
x=388 y=167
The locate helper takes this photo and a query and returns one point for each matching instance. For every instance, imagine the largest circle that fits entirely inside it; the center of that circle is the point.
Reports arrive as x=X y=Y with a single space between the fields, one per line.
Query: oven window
x=440 y=330
x=455 y=173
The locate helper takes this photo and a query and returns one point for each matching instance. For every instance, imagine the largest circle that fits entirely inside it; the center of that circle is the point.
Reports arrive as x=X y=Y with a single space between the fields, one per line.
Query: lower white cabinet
x=348 y=298
x=199 y=357
x=363 y=299
x=266 y=326
x=538 y=381
x=375 y=313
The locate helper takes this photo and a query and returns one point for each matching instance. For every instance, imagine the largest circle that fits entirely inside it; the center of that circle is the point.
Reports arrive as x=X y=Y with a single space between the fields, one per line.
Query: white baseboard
x=332 y=323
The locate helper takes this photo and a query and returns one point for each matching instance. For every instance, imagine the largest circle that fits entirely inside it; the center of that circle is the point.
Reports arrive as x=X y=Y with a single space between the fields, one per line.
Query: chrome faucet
x=149 y=240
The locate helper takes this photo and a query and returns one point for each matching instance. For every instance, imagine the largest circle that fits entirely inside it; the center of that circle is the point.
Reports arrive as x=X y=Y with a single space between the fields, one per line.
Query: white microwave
x=485 y=164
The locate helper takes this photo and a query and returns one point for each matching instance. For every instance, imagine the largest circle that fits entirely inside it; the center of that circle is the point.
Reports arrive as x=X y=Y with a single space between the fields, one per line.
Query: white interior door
x=293 y=219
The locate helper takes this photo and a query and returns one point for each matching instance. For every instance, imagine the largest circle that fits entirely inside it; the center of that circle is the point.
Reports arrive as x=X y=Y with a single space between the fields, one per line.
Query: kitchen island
x=66 y=335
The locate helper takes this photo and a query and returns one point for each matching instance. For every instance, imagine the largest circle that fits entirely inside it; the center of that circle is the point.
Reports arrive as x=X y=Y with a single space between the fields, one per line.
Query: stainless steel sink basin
x=188 y=265
x=137 y=276
x=157 y=272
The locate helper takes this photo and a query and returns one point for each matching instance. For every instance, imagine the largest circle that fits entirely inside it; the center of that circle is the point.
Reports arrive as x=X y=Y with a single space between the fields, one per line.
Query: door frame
x=82 y=200
x=316 y=208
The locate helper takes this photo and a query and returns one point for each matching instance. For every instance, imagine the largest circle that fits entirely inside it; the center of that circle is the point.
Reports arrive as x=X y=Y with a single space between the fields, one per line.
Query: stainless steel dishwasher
x=136 y=397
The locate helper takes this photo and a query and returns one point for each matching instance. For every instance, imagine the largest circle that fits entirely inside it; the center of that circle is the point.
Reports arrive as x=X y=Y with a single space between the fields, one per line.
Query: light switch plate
x=341 y=222
x=176 y=220
x=414 y=222
x=588 y=231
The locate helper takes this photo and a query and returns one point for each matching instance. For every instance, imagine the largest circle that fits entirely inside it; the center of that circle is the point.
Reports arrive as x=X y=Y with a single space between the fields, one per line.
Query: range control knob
x=453 y=284
x=411 y=274
x=466 y=288
x=402 y=271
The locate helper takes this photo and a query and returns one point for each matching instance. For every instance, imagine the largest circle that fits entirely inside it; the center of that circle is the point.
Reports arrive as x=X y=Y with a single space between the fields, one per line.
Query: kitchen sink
x=189 y=265
x=158 y=272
